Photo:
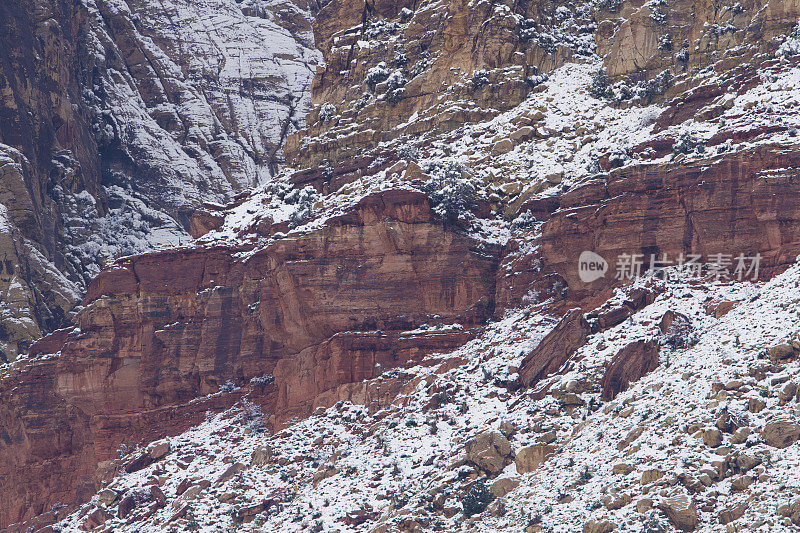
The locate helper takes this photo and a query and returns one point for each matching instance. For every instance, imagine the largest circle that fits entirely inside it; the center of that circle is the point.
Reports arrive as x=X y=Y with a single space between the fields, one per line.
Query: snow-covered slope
x=192 y=104
x=617 y=461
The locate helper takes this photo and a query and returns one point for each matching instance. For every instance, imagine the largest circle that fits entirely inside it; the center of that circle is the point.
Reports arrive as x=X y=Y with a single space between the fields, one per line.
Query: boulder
x=632 y=435
x=680 y=510
x=598 y=526
x=126 y=506
x=712 y=437
x=649 y=476
x=192 y=492
x=414 y=172
x=781 y=433
x=512 y=188
x=502 y=146
x=674 y=323
x=787 y=392
x=733 y=384
x=229 y=472
x=740 y=435
x=522 y=134
x=323 y=473
x=138 y=462
x=548 y=437
x=248 y=513
x=96 y=518
x=158 y=449
x=780 y=352
x=358 y=517
x=789 y=509
x=529 y=458
x=614 y=500
x=554 y=178
x=489 y=451
x=503 y=486
x=261 y=455
x=157 y=496
x=734 y=512
x=741 y=483
x=508 y=428
x=643 y=505
x=107 y=496
x=630 y=364
x=623 y=469
x=611 y=317
x=182 y=486
x=556 y=348
x=747 y=462
x=755 y=405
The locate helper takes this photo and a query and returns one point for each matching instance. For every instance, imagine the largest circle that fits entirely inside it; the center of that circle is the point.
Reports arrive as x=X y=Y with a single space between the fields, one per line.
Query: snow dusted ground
x=572 y=129
x=406 y=462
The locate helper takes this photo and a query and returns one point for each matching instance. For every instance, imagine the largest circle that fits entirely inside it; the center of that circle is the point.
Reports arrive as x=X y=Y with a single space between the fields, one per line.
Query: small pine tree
x=478 y=498
x=304 y=200
x=653 y=524
x=686 y=144
x=451 y=196
x=479 y=79
x=327 y=112
x=599 y=86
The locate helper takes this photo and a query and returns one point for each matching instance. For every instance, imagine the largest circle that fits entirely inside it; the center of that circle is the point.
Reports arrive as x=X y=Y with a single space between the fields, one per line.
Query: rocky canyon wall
x=118 y=120
x=165 y=336
x=401 y=246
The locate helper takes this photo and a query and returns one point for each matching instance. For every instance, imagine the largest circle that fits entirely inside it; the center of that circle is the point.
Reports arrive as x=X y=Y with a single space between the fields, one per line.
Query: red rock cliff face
x=740 y=203
x=731 y=204
x=163 y=329
x=163 y=333
x=166 y=336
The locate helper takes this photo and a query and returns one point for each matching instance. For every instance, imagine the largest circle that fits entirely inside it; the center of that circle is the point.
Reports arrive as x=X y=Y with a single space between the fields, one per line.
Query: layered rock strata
x=165 y=336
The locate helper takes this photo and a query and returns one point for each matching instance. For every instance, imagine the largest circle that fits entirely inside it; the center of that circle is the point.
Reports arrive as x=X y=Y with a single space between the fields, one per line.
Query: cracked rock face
x=119 y=119
x=647 y=37
x=220 y=83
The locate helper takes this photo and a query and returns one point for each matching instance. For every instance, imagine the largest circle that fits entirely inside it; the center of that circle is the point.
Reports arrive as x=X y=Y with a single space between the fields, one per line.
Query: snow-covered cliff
x=119 y=119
